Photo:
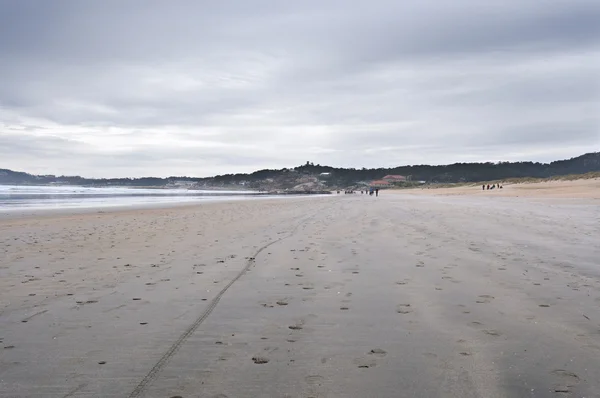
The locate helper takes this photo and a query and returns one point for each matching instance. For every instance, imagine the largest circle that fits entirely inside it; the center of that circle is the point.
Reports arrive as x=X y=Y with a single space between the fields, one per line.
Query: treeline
x=10 y=177
x=458 y=172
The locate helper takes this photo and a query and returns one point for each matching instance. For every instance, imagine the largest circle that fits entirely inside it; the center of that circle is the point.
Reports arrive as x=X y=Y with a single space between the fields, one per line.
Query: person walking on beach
x=377 y=192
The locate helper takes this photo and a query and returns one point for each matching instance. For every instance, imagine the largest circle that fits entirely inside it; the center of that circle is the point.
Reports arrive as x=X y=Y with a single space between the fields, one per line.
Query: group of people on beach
x=488 y=187
x=371 y=192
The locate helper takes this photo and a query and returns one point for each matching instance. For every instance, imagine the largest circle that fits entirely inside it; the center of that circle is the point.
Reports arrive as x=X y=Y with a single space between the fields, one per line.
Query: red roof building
x=380 y=184
x=394 y=178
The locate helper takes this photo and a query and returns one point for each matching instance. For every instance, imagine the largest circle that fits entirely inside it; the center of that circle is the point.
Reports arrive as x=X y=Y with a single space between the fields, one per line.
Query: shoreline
x=17 y=214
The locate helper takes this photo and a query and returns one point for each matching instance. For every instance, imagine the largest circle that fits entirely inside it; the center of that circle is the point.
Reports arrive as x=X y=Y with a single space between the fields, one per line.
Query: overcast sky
x=191 y=87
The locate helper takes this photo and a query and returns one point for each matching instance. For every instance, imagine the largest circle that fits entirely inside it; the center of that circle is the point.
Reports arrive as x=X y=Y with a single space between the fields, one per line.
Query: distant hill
x=336 y=177
x=458 y=172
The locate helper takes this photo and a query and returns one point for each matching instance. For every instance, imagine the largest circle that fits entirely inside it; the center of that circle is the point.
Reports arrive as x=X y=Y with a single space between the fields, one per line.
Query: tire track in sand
x=162 y=362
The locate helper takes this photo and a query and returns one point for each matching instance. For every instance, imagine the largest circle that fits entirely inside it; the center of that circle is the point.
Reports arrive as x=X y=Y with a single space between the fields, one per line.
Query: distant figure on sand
x=482 y=187
x=377 y=192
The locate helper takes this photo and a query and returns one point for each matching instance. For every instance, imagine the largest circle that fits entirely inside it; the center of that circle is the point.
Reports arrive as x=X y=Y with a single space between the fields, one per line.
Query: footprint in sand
x=378 y=352
x=314 y=379
x=420 y=264
x=403 y=309
x=544 y=305
x=86 y=302
x=484 y=299
x=344 y=308
x=282 y=302
x=565 y=380
x=365 y=363
x=494 y=333
x=260 y=360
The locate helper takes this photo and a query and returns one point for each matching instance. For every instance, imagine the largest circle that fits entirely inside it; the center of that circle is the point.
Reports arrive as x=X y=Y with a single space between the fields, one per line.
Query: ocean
x=65 y=197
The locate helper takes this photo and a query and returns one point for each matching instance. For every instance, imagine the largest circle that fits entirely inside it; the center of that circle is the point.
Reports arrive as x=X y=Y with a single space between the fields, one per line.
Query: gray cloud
x=147 y=87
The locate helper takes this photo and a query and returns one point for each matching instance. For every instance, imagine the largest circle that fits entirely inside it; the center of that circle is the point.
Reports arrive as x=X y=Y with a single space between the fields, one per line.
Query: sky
x=136 y=88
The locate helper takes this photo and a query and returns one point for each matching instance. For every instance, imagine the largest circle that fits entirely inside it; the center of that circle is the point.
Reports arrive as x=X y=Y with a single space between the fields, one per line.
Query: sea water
x=14 y=197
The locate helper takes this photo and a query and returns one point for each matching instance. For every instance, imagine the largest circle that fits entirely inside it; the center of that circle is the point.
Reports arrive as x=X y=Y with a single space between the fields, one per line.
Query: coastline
x=16 y=214
x=27 y=201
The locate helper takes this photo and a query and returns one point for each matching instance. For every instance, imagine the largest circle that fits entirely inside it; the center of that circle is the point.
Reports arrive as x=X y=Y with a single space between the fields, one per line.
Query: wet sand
x=350 y=296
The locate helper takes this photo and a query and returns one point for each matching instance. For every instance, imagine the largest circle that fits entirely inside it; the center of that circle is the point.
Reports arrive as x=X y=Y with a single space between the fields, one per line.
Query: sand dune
x=403 y=295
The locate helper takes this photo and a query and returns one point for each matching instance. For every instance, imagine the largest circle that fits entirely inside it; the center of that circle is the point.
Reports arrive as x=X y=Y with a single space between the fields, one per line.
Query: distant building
x=180 y=184
x=394 y=178
x=380 y=184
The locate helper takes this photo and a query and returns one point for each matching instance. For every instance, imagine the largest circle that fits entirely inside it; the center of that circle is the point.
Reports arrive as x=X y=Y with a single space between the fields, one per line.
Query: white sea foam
x=57 y=197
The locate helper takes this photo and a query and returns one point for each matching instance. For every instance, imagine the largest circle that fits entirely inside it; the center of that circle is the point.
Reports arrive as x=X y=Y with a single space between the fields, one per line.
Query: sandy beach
x=585 y=188
x=411 y=294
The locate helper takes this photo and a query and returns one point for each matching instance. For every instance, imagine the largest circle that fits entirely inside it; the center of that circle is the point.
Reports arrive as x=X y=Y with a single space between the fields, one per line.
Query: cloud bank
x=189 y=87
